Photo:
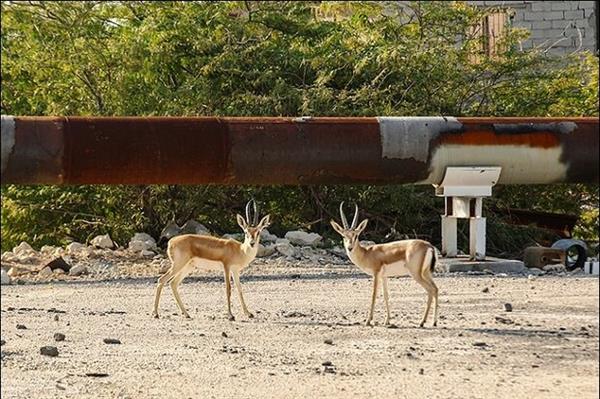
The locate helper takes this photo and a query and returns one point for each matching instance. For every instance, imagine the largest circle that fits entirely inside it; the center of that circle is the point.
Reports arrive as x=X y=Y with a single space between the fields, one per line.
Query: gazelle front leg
x=238 y=287
x=384 y=280
x=228 y=293
x=373 y=298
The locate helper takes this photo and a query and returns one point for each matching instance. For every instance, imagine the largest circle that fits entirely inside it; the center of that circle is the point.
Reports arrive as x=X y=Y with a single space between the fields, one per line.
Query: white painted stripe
x=406 y=137
x=521 y=164
x=7 y=127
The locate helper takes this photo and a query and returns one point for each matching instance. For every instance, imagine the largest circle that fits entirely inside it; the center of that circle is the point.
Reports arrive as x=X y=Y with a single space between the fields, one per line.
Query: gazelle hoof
x=250 y=315
x=231 y=318
x=155 y=315
x=421 y=324
x=368 y=323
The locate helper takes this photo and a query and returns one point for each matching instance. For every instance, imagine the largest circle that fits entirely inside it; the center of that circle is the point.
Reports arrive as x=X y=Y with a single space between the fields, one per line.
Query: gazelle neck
x=357 y=252
x=249 y=250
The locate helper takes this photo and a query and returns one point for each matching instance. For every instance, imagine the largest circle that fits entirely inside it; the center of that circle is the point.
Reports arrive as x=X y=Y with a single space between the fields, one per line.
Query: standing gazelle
x=414 y=257
x=215 y=254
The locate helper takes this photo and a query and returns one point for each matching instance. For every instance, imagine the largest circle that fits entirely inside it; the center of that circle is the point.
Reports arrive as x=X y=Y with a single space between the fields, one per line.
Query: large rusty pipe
x=201 y=150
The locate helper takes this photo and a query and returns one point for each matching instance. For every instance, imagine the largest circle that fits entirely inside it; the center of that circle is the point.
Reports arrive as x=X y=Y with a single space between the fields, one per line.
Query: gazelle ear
x=362 y=226
x=241 y=221
x=336 y=226
x=264 y=222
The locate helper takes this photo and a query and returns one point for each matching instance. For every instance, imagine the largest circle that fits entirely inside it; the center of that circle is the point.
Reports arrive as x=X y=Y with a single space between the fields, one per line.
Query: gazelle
x=216 y=254
x=414 y=257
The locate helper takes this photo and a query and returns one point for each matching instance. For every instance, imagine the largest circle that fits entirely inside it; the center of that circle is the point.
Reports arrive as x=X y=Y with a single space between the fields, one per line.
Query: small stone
x=75 y=247
x=299 y=237
x=147 y=253
x=508 y=307
x=224 y=334
x=21 y=327
x=111 y=341
x=480 y=344
x=78 y=270
x=103 y=241
x=327 y=363
x=485 y=290
x=2 y=342
x=23 y=249
x=59 y=337
x=392 y=326
x=55 y=317
x=51 y=351
x=45 y=272
x=328 y=341
x=504 y=320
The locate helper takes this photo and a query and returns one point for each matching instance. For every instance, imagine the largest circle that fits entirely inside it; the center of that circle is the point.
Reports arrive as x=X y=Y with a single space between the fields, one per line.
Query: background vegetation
x=277 y=59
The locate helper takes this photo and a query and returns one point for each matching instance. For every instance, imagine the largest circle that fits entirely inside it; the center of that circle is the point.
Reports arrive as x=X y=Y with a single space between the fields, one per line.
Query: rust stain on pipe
x=205 y=150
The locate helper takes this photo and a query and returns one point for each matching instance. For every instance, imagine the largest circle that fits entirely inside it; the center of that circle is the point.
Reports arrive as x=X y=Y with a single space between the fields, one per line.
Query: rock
x=58 y=271
x=23 y=249
x=367 y=243
x=78 y=270
x=535 y=271
x=485 y=290
x=170 y=230
x=508 y=307
x=58 y=263
x=327 y=363
x=266 y=236
x=193 y=227
x=146 y=253
x=299 y=237
x=5 y=278
x=503 y=320
x=59 y=337
x=2 y=342
x=9 y=256
x=328 y=341
x=142 y=241
x=111 y=341
x=21 y=327
x=49 y=351
x=103 y=241
x=577 y=270
x=556 y=268
x=264 y=251
x=47 y=249
x=421 y=371
x=338 y=251
x=224 y=334
x=75 y=248
x=480 y=344
x=16 y=271
x=284 y=247
x=45 y=272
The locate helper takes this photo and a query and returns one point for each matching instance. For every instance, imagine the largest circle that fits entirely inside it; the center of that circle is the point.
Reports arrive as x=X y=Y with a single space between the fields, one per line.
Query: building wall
x=561 y=26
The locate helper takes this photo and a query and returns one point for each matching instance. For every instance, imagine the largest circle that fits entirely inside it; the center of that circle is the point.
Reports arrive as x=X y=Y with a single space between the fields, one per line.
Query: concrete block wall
x=561 y=26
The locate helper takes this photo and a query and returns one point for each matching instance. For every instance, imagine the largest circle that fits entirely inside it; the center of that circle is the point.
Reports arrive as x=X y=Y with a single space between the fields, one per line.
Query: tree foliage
x=283 y=58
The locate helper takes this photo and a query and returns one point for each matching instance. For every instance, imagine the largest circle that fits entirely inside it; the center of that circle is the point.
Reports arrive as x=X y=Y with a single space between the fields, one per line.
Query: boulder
x=78 y=270
x=284 y=247
x=5 y=278
x=299 y=237
x=45 y=272
x=142 y=242
x=266 y=236
x=147 y=253
x=193 y=227
x=9 y=256
x=23 y=249
x=367 y=243
x=103 y=241
x=75 y=248
x=234 y=236
x=264 y=251
x=47 y=249
x=170 y=230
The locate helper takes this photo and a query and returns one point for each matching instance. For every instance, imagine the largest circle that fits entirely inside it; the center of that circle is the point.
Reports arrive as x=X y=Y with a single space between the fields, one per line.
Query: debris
x=59 y=337
x=485 y=290
x=21 y=327
x=508 y=307
x=93 y=374
x=328 y=341
x=111 y=341
x=51 y=351
x=224 y=334
x=480 y=344
x=503 y=320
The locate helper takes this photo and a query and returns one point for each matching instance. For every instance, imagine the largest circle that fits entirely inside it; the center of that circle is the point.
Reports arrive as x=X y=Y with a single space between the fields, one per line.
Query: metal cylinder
x=382 y=150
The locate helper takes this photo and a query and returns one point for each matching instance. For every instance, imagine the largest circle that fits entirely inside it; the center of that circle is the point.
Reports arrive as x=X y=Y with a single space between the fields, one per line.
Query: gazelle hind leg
x=425 y=284
x=227 y=277
x=174 y=285
x=386 y=298
x=429 y=278
x=161 y=282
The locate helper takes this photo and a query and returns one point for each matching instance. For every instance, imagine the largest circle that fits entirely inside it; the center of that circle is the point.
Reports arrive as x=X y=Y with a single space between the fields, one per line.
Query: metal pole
x=383 y=150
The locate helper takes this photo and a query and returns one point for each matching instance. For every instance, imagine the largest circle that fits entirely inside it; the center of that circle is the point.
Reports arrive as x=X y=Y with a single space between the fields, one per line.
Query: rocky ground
x=90 y=334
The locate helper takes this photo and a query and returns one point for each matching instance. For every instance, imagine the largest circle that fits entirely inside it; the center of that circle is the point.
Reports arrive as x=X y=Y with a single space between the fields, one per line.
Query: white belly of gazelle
x=395 y=269
x=208 y=265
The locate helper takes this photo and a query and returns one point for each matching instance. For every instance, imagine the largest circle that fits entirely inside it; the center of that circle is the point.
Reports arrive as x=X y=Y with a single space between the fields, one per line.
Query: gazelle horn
x=344 y=220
